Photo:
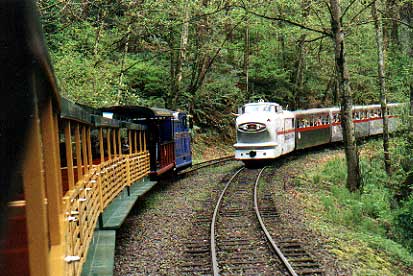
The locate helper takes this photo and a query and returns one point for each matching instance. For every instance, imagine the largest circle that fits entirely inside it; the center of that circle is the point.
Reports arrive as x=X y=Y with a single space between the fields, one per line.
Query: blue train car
x=183 y=155
x=160 y=140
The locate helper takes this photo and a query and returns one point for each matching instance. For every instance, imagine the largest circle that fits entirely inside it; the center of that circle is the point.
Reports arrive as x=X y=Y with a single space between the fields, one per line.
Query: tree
x=246 y=65
x=350 y=147
x=382 y=84
x=177 y=60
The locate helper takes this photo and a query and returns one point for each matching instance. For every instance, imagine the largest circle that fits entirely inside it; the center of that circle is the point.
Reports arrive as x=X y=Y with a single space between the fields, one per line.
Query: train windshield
x=258 y=108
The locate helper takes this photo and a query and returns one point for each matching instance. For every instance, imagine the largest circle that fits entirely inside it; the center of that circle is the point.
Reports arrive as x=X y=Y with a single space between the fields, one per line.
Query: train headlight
x=252 y=127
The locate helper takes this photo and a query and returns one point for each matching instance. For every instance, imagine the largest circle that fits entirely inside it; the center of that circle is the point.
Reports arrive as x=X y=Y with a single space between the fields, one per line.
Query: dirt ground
x=151 y=241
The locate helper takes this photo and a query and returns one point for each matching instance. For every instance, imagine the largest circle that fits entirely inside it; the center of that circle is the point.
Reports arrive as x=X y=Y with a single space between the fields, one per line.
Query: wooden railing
x=91 y=195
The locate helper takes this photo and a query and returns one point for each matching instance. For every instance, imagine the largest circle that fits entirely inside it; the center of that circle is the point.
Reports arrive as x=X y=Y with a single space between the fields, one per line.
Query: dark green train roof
x=133 y=126
x=74 y=112
x=133 y=112
x=100 y=121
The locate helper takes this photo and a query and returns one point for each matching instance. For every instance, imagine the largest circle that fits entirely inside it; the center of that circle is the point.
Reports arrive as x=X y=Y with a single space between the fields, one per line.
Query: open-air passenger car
x=312 y=127
x=159 y=123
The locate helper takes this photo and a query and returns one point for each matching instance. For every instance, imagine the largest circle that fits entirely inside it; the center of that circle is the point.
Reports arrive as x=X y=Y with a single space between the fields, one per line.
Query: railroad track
x=205 y=164
x=234 y=239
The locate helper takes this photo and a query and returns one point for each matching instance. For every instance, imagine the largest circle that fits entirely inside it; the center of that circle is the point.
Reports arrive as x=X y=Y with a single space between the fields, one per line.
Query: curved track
x=237 y=244
x=267 y=234
x=205 y=164
x=239 y=232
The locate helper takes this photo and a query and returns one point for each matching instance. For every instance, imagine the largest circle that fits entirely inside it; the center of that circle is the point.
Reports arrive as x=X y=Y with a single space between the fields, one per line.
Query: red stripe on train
x=312 y=128
x=328 y=125
x=286 y=131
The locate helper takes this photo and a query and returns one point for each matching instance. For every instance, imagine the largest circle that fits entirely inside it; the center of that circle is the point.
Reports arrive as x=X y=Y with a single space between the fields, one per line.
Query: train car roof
x=262 y=103
x=179 y=115
x=312 y=111
x=72 y=111
x=373 y=106
x=133 y=126
x=133 y=111
x=100 y=121
x=335 y=109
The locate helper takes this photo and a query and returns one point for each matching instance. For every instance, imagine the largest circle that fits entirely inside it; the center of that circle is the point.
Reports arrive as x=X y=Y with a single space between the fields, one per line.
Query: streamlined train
x=266 y=131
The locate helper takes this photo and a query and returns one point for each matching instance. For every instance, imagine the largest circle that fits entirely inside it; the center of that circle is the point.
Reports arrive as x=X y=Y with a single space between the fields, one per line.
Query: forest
x=208 y=57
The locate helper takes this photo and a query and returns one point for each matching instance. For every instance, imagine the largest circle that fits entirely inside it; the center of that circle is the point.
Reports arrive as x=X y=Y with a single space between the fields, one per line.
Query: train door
x=289 y=135
x=279 y=128
x=336 y=131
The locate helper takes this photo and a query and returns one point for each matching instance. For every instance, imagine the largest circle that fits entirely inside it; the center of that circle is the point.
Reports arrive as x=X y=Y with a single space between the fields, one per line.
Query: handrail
x=90 y=196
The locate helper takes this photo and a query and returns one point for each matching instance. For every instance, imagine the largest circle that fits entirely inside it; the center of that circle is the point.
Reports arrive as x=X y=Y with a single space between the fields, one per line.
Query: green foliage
x=214 y=109
x=126 y=52
x=404 y=222
x=373 y=215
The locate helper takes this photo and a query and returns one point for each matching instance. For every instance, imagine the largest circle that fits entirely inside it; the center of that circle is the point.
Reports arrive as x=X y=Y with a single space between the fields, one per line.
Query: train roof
x=72 y=111
x=374 y=106
x=336 y=109
x=178 y=115
x=133 y=126
x=262 y=103
x=312 y=111
x=133 y=111
x=100 y=121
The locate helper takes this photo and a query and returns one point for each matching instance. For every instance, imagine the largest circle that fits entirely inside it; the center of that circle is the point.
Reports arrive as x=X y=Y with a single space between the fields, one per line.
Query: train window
x=301 y=123
x=375 y=113
x=317 y=121
x=362 y=115
x=336 y=118
x=258 y=108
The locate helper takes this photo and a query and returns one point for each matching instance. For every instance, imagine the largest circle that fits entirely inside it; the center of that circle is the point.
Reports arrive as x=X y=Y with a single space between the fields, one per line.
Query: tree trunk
x=352 y=157
x=411 y=99
x=122 y=68
x=180 y=59
x=172 y=67
x=391 y=28
x=98 y=34
x=383 y=97
x=299 y=76
x=246 y=64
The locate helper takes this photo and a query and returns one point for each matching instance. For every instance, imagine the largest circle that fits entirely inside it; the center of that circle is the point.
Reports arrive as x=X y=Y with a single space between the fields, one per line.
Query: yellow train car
x=63 y=168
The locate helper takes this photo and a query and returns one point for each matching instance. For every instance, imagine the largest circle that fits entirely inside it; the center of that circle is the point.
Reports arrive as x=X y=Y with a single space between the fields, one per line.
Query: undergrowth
x=370 y=231
x=210 y=145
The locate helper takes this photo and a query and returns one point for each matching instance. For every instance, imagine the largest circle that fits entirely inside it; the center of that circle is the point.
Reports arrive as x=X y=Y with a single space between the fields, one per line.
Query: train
x=80 y=149
x=169 y=140
x=264 y=130
x=70 y=173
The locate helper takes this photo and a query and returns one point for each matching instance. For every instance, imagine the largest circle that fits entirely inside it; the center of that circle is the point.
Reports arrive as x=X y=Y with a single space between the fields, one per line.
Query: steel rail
x=206 y=164
x=267 y=234
x=214 y=218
